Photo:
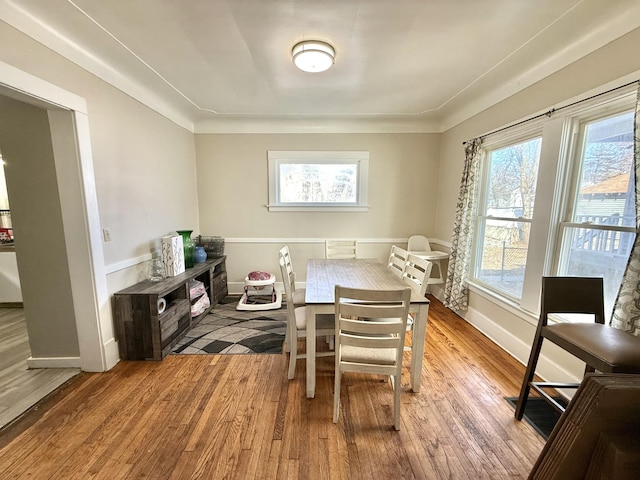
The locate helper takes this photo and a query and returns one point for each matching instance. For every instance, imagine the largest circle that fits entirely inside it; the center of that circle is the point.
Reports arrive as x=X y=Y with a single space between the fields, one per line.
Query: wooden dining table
x=322 y=277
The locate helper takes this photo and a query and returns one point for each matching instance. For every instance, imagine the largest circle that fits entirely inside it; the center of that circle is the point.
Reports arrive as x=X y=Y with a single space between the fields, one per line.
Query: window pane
x=318 y=183
x=510 y=193
x=605 y=196
x=503 y=255
x=606 y=192
x=513 y=173
x=598 y=253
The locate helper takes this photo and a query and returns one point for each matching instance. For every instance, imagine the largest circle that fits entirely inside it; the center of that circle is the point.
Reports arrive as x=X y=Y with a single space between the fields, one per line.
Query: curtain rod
x=548 y=113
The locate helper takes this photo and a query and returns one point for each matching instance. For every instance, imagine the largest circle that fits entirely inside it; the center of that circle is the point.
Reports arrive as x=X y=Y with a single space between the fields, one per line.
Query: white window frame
x=278 y=157
x=570 y=199
x=517 y=135
x=556 y=182
x=565 y=222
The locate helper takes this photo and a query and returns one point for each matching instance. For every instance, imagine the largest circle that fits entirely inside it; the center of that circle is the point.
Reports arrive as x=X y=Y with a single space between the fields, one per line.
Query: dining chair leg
x=293 y=357
x=528 y=376
x=396 y=384
x=287 y=340
x=292 y=364
x=336 y=395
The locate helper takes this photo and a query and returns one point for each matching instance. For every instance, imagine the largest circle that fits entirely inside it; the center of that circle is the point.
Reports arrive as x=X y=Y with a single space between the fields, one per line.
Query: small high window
x=315 y=180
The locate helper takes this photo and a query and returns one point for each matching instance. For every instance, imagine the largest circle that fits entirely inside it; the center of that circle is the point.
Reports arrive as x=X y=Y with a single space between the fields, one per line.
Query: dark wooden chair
x=604 y=349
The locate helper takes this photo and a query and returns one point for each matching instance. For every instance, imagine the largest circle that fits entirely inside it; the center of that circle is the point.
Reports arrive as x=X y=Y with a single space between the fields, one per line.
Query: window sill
x=504 y=303
x=300 y=208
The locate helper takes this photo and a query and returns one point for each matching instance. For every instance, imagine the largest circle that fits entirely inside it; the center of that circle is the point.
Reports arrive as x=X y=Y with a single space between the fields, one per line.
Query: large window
x=318 y=180
x=577 y=170
x=504 y=224
x=599 y=221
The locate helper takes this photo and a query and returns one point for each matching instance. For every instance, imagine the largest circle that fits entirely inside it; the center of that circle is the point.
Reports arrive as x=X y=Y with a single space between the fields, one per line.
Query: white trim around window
x=360 y=159
x=555 y=198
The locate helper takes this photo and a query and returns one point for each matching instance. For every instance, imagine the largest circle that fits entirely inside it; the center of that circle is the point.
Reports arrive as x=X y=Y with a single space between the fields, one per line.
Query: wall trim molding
x=324 y=124
x=510 y=307
x=38 y=92
x=518 y=349
x=22 y=21
x=293 y=240
x=111 y=353
x=53 y=362
x=132 y=262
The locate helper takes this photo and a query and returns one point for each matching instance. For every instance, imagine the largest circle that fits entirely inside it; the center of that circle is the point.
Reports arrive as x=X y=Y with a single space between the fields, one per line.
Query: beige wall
x=145 y=181
x=144 y=164
x=611 y=65
x=233 y=193
x=25 y=140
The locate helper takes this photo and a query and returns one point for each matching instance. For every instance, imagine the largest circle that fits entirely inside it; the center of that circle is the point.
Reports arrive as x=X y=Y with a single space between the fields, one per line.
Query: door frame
x=69 y=125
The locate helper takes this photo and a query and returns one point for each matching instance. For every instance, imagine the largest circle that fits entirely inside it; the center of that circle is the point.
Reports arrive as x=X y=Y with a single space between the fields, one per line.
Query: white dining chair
x=366 y=346
x=298 y=293
x=297 y=324
x=416 y=273
x=397 y=260
x=419 y=245
x=344 y=249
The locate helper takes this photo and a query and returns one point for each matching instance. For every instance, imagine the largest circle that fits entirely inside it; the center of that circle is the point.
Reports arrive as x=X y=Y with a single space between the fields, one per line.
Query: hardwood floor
x=237 y=416
x=20 y=387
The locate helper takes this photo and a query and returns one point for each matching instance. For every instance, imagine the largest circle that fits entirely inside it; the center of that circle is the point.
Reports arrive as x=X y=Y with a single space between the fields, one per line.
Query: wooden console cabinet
x=145 y=334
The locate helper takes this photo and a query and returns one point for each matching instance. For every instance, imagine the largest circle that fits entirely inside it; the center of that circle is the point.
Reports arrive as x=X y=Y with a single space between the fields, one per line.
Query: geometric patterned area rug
x=226 y=330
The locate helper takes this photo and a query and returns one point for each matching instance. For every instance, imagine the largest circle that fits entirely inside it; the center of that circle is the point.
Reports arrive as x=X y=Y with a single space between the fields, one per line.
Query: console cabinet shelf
x=144 y=333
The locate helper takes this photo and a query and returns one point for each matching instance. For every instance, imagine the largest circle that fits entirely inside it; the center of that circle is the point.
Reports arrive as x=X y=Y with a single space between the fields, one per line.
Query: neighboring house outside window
x=598 y=228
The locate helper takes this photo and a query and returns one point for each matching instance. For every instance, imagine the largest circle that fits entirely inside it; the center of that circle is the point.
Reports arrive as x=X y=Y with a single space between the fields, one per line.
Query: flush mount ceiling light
x=313 y=56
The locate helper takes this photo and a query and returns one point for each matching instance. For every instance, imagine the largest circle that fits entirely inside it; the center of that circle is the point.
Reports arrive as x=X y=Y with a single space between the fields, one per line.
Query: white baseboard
x=53 y=362
x=437 y=291
x=547 y=369
x=235 y=288
x=111 y=354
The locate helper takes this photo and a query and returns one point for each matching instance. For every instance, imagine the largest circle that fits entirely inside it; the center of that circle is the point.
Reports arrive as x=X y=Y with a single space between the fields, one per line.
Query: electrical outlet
x=106 y=234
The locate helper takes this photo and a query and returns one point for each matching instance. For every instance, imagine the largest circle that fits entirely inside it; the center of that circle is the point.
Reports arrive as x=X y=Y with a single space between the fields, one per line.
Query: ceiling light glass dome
x=313 y=56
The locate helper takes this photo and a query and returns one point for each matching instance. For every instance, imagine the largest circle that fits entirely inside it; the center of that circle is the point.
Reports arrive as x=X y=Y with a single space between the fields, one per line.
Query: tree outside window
x=505 y=221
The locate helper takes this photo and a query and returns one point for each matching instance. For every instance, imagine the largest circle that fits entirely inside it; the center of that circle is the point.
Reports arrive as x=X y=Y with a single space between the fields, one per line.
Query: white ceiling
x=412 y=65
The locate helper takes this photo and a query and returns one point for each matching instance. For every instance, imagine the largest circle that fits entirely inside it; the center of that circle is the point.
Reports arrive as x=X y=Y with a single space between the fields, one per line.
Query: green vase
x=189 y=247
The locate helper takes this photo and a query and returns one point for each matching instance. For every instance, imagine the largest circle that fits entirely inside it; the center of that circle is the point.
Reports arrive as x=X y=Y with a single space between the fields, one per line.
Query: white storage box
x=172 y=255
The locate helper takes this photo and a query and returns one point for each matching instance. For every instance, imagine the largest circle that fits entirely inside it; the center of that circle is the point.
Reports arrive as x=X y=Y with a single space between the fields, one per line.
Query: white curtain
x=456 y=292
x=626 y=312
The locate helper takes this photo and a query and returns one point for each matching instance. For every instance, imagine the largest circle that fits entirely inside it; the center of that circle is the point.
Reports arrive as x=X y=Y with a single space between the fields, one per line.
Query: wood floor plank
x=237 y=416
x=20 y=387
